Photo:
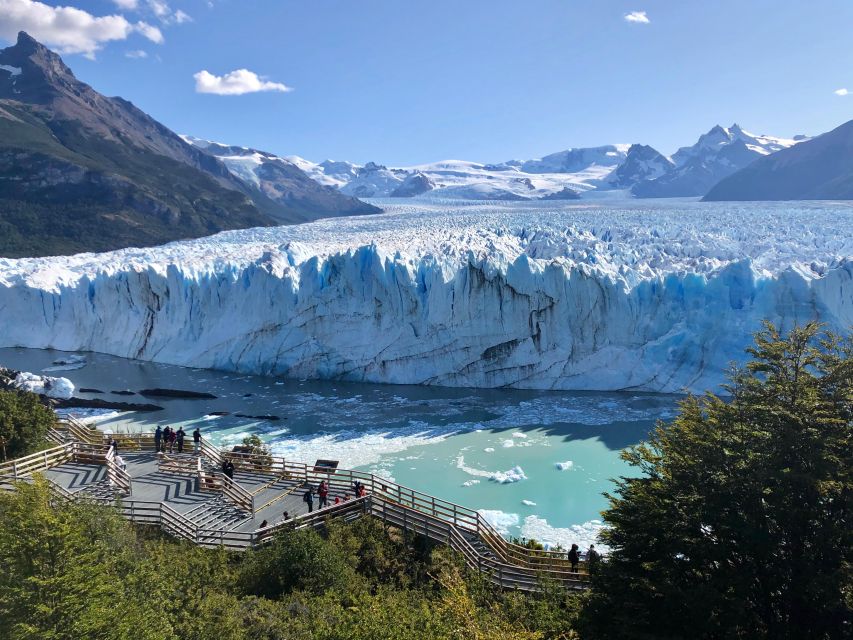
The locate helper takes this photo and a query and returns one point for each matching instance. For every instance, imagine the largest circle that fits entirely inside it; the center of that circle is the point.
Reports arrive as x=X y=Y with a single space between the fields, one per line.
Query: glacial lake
x=535 y=462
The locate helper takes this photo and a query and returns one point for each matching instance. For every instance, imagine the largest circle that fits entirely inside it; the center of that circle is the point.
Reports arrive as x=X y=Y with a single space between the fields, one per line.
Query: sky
x=403 y=82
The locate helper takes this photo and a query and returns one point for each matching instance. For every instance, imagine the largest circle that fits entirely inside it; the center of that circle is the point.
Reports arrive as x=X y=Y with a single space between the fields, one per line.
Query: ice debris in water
x=564 y=466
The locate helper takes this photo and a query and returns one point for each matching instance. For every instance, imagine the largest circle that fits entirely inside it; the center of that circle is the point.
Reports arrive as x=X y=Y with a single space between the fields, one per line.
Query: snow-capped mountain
x=281 y=180
x=641 y=163
x=623 y=170
x=716 y=155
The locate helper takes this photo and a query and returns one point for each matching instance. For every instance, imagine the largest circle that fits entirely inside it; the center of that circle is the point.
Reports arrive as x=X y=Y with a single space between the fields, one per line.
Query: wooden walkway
x=187 y=496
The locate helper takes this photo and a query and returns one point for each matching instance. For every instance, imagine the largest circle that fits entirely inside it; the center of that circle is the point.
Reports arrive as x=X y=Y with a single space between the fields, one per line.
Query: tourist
x=197 y=440
x=229 y=470
x=574 y=558
x=285 y=516
x=224 y=464
x=121 y=463
x=592 y=558
x=179 y=436
x=263 y=524
x=167 y=434
x=173 y=436
x=337 y=499
x=308 y=498
x=158 y=437
x=323 y=492
x=114 y=445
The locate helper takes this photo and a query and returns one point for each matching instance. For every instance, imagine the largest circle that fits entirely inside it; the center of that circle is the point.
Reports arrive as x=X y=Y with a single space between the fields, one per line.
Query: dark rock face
x=97 y=403
x=563 y=194
x=817 y=169
x=261 y=417
x=414 y=185
x=175 y=393
x=642 y=163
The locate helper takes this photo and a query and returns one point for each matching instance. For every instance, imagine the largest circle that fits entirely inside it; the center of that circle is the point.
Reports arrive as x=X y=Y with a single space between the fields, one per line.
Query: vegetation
x=78 y=571
x=740 y=526
x=24 y=422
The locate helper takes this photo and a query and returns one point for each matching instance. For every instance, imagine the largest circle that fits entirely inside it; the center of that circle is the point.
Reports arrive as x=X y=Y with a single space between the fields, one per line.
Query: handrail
x=237 y=494
x=40 y=461
x=118 y=476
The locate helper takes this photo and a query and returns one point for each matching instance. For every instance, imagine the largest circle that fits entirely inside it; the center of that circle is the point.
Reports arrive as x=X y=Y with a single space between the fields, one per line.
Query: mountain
x=83 y=172
x=283 y=182
x=817 y=169
x=717 y=154
x=641 y=163
x=575 y=160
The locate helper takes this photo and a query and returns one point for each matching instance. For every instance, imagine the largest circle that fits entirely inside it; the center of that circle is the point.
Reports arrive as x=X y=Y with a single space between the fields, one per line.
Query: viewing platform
x=189 y=496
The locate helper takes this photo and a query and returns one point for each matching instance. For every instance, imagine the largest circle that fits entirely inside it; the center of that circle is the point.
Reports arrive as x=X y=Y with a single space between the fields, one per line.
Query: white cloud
x=234 y=83
x=138 y=53
x=841 y=92
x=180 y=17
x=67 y=29
x=150 y=32
x=127 y=5
x=637 y=16
x=160 y=8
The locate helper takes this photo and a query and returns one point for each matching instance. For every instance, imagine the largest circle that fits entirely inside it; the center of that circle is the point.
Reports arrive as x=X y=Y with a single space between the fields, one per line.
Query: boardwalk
x=188 y=496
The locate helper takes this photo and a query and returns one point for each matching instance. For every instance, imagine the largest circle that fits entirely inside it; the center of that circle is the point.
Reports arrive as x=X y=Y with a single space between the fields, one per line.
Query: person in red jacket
x=323 y=492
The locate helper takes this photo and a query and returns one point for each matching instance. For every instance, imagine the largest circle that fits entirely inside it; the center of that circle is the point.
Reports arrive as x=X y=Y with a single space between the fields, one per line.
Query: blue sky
x=409 y=82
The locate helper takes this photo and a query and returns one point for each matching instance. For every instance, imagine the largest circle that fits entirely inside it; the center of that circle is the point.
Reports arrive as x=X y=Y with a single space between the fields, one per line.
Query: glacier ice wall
x=502 y=308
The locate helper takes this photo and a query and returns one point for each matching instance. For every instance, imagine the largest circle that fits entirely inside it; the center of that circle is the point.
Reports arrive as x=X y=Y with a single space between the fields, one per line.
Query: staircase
x=217 y=513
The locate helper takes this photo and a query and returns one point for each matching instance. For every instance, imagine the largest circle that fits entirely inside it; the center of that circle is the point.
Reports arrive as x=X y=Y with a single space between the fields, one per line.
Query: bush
x=24 y=422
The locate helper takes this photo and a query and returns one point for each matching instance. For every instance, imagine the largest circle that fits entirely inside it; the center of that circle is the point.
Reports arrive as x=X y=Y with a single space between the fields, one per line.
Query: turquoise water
x=494 y=450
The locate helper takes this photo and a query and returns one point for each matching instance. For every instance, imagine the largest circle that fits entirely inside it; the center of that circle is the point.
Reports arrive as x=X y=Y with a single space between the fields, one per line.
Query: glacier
x=652 y=296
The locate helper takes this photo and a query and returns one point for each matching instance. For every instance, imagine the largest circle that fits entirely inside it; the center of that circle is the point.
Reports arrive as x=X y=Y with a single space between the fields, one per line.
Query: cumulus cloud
x=841 y=92
x=160 y=8
x=67 y=29
x=180 y=17
x=637 y=16
x=127 y=5
x=234 y=83
x=138 y=53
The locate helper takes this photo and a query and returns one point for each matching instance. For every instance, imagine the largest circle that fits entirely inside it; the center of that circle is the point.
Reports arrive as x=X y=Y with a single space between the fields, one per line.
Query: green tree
x=740 y=525
x=64 y=572
x=24 y=422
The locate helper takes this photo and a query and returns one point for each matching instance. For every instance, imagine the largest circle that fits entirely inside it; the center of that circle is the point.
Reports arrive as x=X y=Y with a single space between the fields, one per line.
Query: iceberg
x=541 y=296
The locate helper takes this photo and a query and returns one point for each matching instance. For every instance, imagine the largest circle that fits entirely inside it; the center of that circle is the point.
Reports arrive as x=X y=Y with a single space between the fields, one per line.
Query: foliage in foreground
x=73 y=571
x=24 y=422
x=740 y=526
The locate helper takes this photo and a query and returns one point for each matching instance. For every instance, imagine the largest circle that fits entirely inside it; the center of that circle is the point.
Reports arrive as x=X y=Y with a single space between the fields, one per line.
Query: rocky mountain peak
x=39 y=65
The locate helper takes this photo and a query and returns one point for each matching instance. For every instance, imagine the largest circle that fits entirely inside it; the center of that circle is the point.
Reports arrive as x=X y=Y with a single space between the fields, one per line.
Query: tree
x=740 y=525
x=24 y=422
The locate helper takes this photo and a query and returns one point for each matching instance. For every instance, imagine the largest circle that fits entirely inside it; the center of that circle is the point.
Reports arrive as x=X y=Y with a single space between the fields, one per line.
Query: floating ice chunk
x=61 y=388
x=518 y=434
x=582 y=535
x=500 y=520
x=506 y=444
x=489 y=449
x=528 y=503
x=470 y=483
x=516 y=474
x=564 y=466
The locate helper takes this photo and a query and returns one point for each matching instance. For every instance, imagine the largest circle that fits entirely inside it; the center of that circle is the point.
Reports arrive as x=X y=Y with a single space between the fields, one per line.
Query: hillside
x=83 y=172
x=819 y=169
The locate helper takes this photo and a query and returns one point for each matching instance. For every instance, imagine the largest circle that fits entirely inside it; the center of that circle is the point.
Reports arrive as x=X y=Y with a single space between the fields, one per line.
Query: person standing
x=114 y=445
x=323 y=492
x=308 y=498
x=574 y=558
x=179 y=436
x=229 y=470
x=167 y=434
x=197 y=440
x=158 y=437
x=172 y=438
x=592 y=558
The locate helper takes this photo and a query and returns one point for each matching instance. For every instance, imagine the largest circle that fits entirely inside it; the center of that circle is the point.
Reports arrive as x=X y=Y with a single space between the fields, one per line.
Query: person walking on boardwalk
x=323 y=492
x=592 y=558
x=167 y=433
x=308 y=498
x=574 y=558
x=229 y=470
x=179 y=436
x=158 y=437
x=114 y=445
x=197 y=440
